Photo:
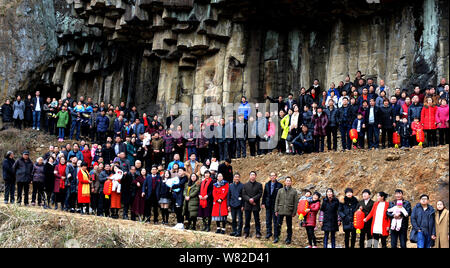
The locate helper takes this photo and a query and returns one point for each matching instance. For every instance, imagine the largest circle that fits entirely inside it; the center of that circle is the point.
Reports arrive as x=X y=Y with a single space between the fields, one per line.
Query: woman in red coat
x=220 y=206
x=311 y=219
x=60 y=182
x=84 y=188
x=87 y=156
x=380 y=223
x=428 y=120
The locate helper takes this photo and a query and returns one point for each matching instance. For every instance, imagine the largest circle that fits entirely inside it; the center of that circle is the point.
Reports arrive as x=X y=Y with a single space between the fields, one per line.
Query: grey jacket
x=18 y=110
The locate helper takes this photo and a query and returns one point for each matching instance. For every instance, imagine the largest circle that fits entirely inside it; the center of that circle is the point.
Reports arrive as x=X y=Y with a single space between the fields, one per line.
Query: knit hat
x=348 y=190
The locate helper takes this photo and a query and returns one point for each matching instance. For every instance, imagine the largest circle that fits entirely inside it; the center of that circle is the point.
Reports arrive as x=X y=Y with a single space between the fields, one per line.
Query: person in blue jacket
x=244 y=108
x=102 y=127
x=423 y=223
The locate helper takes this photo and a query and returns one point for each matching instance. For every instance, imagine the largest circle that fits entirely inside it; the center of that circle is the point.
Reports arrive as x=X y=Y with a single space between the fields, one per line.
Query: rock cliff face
x=197 y=51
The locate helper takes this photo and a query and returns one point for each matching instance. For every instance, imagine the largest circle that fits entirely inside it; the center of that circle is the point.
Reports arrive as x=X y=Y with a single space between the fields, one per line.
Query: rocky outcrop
x=157 y=52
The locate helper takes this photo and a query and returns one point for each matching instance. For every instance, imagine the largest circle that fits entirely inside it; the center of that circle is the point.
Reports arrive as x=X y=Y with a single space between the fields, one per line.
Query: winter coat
x=428 y=117
x=178 y=196
x=386 y=223
x=442 y=227
x=307 y=119
x=404 y=130
x=23 y=170
x=188 y=167
x=118 y=126
x=353 y=112
x=376 y=116
x=28 y=111
x=332 y=117
x=320 y=124
x=34 y=102
x=78 y=154
x=235 y=195
x=366 y=209
x=169 y=143
x=343 y=116
x=147 y=187
x=63 y=119
x=329 y=215
x=284 y=123
x=347 y=211
x=7 y=113
x=19 y=110
x=111 y=120
x=423 y=220
x=8 y=171
x=386 y=117
x=38 y=173
x=244 y=108
x=192 y=205
x=220 y=193
x=227 y=172
x=268 y=199
x=102 y=123
x=442 y=116
x=286 y=202
x=311 y=217
x=414 y=111
x=252 y=190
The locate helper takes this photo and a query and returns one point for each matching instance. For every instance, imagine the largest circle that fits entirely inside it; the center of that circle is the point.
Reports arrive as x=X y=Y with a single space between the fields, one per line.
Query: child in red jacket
x=415 y=126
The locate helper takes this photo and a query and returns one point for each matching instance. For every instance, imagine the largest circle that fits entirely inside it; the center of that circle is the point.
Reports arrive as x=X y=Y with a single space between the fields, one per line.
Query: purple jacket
x=320 y=124
x=169 y=143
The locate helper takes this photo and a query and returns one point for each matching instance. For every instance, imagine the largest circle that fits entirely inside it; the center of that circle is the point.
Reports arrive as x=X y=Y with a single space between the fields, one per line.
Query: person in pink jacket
x=442 y=122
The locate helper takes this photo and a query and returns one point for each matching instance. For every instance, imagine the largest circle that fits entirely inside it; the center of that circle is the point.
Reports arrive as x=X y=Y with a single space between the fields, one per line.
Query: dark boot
x=205 y=226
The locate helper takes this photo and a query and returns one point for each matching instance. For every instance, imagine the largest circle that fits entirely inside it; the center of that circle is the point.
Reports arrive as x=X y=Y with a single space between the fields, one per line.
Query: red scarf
x=204 y=191
x=62 y=172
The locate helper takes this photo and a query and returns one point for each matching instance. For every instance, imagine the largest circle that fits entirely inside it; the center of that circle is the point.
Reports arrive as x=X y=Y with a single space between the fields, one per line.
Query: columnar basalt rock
x=154 y=53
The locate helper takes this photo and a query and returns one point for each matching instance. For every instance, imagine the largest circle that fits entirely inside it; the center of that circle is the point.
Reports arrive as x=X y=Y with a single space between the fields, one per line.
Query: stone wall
x=155 y=53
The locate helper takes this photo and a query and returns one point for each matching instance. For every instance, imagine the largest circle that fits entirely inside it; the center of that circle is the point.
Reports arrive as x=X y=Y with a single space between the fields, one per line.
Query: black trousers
x=347 y=238
x=365 y=234
x=252 y=146
x=101 y=136
x=223 y=151
x=231 y=143
x=236 y=222
x=25 y=188
x=38 y=188
x=103 y=205
x=10 y=191
x=311 y=236
x=157 y=158
x=93 y=134
x=151 y=203
x=332 y=131
x=376 y=237
x=248 y=218
x=202 y=154
x=241 y=148
x=319 y=142
x=280 y=224
x=397 y=236
x=389 y=132
x=18 y=123
x=443 y=136
x=431 y=137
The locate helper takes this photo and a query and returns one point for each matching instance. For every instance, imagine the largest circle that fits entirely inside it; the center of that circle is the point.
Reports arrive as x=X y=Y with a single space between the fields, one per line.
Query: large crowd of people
x=138 y=165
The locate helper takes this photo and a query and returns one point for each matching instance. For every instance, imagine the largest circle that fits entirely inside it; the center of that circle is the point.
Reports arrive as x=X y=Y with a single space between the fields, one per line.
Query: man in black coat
x=108 y=153
x=126 y=191
x=235 y=204
x=268 y=202
x=227 y=170
x=387 y=123
x=119 y=146
x=151 y=190
x=7 y=114
x=22 y=169
x=366 y=205
x=9 y=176
x=252 y=193
x=401 y=235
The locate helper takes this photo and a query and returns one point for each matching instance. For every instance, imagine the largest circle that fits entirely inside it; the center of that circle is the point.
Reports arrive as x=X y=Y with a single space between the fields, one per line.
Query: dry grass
x=27 y=227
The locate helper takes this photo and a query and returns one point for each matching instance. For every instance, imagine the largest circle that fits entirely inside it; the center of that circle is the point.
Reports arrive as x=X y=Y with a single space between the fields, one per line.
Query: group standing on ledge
x=138 y=163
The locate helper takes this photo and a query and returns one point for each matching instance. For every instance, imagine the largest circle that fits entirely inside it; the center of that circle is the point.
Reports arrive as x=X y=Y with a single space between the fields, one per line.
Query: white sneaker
x=179 y=226
x=37 y=129
x=34 y=128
